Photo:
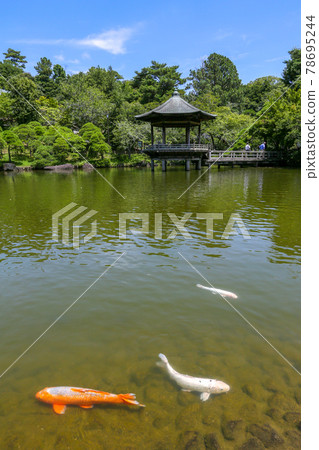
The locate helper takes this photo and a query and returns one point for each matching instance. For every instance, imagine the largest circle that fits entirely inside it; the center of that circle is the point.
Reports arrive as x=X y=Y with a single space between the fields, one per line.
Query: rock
x=248 y=412
x=87 y=166
x=161 y=421
x=254 y=391
x=252 y=444
x=293 y=418
x=60 y=167
x=189 y=417
x=280 y=401
x=211 y=442
x=192 y=440
x=266 y=434
x=232 y=429
x=9 y=166
x=274 y=413
x=294 y=438
x=270 y=385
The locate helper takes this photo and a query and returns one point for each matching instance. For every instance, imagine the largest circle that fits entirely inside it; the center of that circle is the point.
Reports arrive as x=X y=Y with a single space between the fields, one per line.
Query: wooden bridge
x=202 y=154
x=242 y=157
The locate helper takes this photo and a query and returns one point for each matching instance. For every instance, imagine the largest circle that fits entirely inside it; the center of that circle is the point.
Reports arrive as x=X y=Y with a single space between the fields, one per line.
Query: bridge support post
x=198 y=164
x=164 y=165
x=187 y=165
x=152 y=165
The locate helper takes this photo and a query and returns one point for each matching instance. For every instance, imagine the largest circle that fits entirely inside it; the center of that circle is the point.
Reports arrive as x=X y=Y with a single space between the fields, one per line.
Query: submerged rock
x=256 y=392
x=252 y=444
x=274 y=413
x=192 y=440
x=189 y=417
x=266 y=434
x=293 y=418
x=280 y=401
x=294 y=438
x=232 y=429
x=211 y=442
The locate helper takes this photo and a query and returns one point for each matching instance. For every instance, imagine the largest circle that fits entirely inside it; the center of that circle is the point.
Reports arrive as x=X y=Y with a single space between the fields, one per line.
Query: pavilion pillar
x=199 y=164
x=199 y=136
x=187 y=165
x=152 y=134
x=164 y=165
x=152 y=165
x=188 y=135
x=163 y=135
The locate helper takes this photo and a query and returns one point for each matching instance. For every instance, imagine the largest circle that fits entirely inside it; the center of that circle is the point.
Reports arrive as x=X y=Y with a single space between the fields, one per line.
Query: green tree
x=15 y=58
x=127 y=135
x=218 y=74
x=44 y=78
x=12 y=65
x=94 y=140
x=86 y=105
x=6 y=110
x=293 y=67
x=280 y=126
x=3 y=145
x=14 y=144
x=257 y=93
x=27 y=134
x=43 y=156
x=23 y=92
x=157 y=82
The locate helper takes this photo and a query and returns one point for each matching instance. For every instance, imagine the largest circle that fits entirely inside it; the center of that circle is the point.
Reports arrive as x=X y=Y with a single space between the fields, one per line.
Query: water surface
x=148 y=303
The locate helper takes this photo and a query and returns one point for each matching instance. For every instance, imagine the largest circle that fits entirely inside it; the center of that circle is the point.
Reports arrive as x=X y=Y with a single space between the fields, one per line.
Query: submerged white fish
x=218 y=291
x=206 y=386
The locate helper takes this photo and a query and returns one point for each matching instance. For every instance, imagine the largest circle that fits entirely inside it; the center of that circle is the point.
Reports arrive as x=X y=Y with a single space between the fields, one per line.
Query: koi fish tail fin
x=163 y=361
x=129 y=399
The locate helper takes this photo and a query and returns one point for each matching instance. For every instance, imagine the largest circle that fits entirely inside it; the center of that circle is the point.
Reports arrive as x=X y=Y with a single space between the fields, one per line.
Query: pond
x=147 y=303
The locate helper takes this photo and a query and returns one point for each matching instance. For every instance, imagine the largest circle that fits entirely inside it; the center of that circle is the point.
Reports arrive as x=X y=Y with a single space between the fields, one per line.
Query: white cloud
x=86 y=55
x=59 y=57
x=278 y=58
x=112 y=41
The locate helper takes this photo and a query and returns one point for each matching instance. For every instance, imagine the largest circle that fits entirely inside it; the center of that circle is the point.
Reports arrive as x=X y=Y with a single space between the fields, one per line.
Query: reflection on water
x=149 y=303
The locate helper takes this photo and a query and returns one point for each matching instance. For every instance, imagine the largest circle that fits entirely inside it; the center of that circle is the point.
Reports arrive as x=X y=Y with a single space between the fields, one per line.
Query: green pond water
x=148 y=303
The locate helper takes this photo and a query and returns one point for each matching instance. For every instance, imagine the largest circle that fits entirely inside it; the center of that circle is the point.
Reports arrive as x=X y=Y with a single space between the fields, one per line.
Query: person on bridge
x=247 y=148
x=262 y=146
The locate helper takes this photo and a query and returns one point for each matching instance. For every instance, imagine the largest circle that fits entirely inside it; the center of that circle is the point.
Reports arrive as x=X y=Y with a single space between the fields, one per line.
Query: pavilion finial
x=175 y=94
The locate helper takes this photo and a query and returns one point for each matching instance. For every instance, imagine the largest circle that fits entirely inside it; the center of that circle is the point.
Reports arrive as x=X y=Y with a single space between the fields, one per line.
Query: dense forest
x=53 y=118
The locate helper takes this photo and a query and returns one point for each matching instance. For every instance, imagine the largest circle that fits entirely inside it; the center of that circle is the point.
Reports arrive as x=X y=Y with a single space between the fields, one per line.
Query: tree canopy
x=93 y=112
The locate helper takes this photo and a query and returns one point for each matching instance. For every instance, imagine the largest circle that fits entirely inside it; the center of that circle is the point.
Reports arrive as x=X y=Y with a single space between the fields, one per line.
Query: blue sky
x=128 y=35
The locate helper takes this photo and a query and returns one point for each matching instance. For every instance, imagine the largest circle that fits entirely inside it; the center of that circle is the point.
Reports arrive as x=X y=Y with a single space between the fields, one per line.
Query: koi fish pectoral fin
x=186 y=390
x=204 y=396
x=86 y=406
x=59 y=409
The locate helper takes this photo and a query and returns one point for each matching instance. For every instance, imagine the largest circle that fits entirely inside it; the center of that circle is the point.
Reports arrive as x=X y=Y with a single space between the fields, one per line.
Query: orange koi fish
x=62 y=396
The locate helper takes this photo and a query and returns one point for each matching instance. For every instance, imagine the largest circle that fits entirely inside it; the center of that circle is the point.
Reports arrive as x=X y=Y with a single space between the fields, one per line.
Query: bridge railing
x=178 y=147
x=243 y=155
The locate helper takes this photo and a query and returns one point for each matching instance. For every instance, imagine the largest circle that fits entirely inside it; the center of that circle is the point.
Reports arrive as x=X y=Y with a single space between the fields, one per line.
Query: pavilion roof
x=175 y=112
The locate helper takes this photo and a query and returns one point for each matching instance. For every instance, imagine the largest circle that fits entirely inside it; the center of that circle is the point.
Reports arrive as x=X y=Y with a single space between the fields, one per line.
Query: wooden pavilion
x=177 y=113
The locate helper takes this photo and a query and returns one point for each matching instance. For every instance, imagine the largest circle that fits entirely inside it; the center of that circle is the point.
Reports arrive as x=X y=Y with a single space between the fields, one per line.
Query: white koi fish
x=206 y=386
x=218 y=291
